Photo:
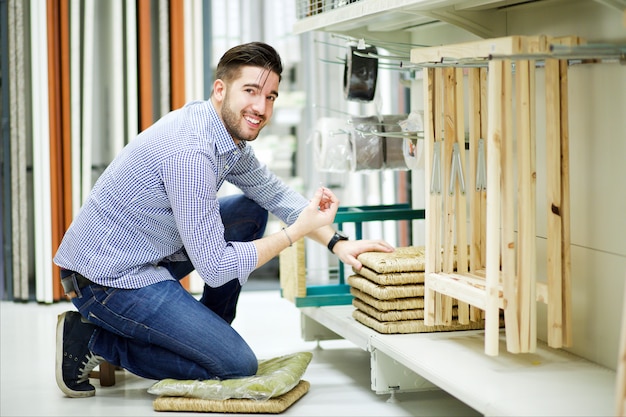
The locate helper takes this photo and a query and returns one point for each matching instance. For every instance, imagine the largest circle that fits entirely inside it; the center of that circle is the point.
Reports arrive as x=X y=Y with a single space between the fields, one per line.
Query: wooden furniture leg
x=106 y=374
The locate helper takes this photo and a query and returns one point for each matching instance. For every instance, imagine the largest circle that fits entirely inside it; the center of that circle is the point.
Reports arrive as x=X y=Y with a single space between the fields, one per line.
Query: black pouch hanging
x=360 y=74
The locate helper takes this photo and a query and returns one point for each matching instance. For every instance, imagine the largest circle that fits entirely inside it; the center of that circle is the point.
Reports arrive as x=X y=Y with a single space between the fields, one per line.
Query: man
x=153 y=216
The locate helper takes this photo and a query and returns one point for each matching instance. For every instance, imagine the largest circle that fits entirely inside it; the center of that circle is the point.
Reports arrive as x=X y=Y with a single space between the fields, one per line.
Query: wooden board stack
x=389 y=293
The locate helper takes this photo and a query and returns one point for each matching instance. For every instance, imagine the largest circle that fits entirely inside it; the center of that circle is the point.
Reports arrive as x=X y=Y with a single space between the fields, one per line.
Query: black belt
x=72 y=282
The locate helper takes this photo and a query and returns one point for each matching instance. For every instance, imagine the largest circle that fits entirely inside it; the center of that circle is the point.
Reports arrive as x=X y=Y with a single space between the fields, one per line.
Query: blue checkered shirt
x=160 y=195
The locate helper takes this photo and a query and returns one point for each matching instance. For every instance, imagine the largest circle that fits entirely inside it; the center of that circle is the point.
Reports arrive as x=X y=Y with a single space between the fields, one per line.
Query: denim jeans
x=162 y=331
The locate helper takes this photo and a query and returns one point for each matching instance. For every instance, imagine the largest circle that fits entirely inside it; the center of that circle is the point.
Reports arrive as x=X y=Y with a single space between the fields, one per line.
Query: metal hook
x=457 y=170
x=435 y=179
x=481 y=169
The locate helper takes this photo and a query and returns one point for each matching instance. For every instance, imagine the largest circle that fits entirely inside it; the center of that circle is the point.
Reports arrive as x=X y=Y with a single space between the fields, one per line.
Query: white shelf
x=547 y=382
x=484 y=18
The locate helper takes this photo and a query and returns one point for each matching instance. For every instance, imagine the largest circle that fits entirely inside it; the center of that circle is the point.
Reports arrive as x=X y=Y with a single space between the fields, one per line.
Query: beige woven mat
x=411 y=326
x=391 y=315
x=272 y=406
x=403 y=259
x=389 y=305
x=392 y=278
x=385 y=292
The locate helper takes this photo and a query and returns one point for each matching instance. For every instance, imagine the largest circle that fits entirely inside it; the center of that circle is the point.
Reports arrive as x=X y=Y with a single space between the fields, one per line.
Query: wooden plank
x=476 y=191
x=473 y=80
x=526 y=260
x=460 y=202
x=555 y=224
x=433 y=212
x=438 y=138
x=566 y=292
x=483 y=49
x=457 y=288
x=508 y=249
x=483 y=134
x=494 y=144
x=449 y=135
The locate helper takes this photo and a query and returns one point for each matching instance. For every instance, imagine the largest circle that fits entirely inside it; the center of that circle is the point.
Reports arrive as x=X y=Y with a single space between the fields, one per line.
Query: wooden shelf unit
x=498 y=271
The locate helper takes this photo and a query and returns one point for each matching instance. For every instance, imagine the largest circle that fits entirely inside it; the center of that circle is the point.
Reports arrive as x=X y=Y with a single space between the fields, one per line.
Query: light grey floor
x=339 y=373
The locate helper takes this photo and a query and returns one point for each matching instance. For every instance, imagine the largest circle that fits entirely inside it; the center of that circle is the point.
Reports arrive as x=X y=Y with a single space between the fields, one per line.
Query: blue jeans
x=162 y=331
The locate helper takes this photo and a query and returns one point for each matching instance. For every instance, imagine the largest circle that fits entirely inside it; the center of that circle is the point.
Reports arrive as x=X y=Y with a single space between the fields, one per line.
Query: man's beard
x=232 y=121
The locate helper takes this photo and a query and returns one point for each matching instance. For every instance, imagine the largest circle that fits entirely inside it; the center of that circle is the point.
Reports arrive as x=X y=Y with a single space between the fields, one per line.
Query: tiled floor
x=339 y=373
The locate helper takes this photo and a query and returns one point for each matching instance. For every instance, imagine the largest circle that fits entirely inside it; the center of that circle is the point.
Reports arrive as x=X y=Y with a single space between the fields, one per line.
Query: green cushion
x=274 y=377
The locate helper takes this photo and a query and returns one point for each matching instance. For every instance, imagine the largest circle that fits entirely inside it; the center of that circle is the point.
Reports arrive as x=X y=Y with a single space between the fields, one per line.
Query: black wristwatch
x=339 y=235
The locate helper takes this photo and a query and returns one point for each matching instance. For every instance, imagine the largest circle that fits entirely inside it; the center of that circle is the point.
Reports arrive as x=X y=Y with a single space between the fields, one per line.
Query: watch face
x=342 y=235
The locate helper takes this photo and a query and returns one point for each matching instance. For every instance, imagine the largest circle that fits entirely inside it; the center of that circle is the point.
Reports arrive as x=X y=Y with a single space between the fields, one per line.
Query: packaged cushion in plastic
x=274 y=377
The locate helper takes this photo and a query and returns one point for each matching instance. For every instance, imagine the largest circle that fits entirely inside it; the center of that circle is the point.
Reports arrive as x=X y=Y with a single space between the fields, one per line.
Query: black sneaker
x=74 y=360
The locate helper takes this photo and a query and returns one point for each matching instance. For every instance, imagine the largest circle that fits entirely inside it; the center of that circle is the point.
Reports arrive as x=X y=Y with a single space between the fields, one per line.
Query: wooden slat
x=449 y=134
x=483 y=49
x=508 y=249
x=432 y=210
x=566 y=300
x=443 y=284
x=477 y=196
x=437 y=110
x=555 y=225
x=484 y=103
x=460 y=201
x=526 y=260
x=473 y=78
x=494 y=144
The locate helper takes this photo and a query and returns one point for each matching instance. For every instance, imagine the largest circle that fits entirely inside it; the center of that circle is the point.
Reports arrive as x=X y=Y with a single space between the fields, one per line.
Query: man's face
x=248 y=102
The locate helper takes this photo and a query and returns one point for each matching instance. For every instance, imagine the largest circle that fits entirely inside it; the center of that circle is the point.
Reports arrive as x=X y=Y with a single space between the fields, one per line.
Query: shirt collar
x=224 y=142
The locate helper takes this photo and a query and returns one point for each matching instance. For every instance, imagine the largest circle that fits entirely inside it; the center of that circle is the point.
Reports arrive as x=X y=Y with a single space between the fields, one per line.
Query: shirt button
x=226 y=166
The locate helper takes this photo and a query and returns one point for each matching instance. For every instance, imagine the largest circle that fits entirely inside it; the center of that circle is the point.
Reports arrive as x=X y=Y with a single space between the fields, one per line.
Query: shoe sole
x=59 y=364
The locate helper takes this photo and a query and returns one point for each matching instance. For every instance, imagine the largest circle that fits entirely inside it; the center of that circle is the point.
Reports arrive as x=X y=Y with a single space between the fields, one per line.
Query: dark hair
x=256 y=54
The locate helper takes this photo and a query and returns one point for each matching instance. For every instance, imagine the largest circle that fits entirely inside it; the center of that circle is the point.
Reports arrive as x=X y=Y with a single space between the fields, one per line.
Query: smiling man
x=153 y=216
